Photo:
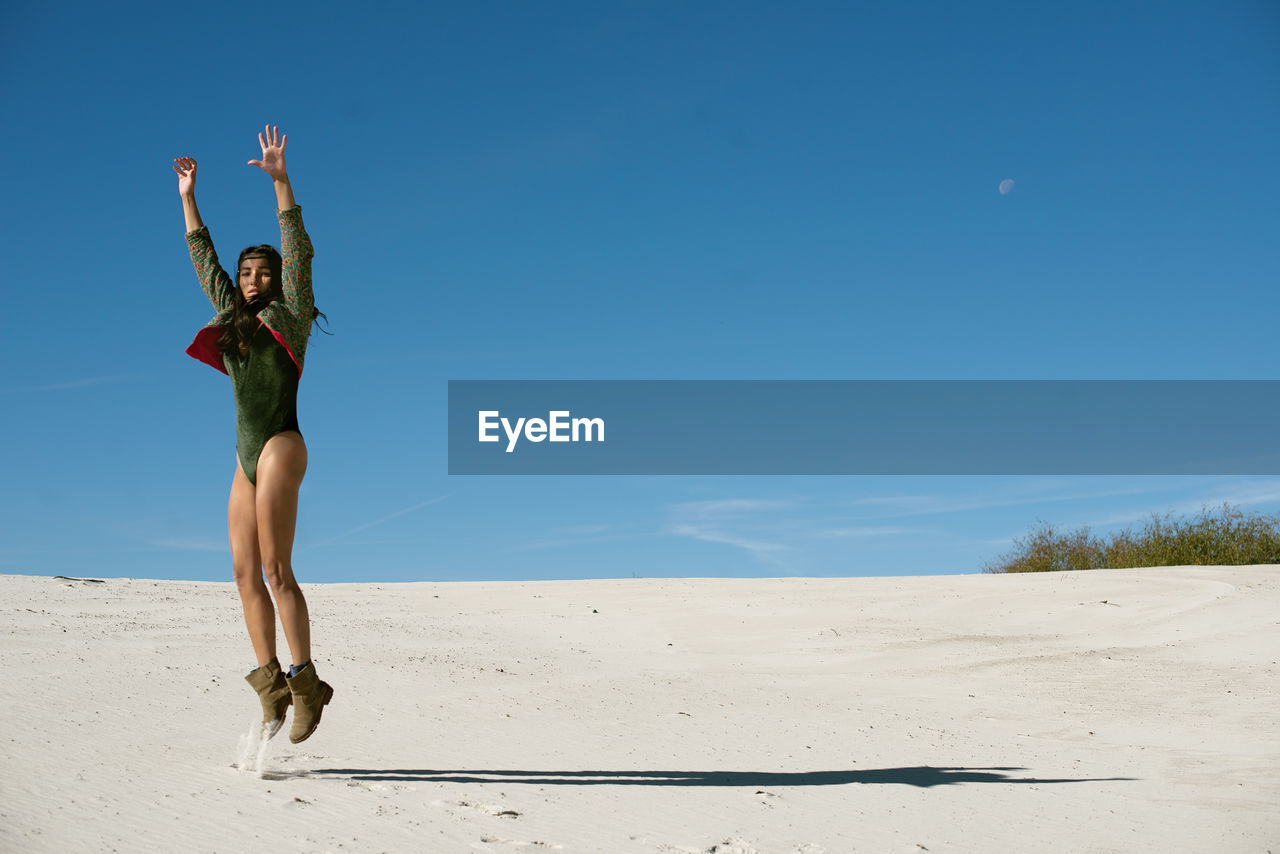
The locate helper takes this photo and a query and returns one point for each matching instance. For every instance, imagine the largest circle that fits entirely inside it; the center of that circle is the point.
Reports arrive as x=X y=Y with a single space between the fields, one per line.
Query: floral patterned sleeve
x=213 y=279
x=297 y=252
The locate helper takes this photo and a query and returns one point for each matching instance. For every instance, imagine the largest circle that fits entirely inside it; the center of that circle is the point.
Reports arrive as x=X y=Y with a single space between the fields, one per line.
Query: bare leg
x=281 y=467
x=246 y=566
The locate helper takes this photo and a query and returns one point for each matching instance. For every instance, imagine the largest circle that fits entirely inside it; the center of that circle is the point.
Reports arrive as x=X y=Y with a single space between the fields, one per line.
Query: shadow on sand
x=923 y=776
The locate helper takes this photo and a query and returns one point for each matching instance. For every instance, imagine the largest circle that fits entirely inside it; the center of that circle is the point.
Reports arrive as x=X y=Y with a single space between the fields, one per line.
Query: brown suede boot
x=310 y=696
x=274 y=693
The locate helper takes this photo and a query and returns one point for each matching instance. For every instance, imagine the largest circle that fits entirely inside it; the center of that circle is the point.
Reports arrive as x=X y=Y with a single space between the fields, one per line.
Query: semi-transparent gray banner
x=864 y=427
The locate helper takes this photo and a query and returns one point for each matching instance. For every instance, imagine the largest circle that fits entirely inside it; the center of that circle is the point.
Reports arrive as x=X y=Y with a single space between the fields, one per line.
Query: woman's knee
x=279 y=574
x=247 y=576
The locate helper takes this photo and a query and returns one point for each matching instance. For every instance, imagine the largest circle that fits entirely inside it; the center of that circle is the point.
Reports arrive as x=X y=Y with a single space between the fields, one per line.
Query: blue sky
x=619 y=191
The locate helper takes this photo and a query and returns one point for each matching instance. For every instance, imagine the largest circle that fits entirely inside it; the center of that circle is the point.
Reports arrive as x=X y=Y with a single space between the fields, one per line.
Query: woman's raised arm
x=186 y=169
x=272 y=163
x=213 y=279
x=295 y=246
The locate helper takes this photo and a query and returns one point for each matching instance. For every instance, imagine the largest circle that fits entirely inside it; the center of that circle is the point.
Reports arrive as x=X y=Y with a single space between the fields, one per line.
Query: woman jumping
x=258 y=338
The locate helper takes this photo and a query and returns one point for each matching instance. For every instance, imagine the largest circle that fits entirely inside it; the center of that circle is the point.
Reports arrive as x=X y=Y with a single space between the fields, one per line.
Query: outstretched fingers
x=272 y=143
x=273 y=138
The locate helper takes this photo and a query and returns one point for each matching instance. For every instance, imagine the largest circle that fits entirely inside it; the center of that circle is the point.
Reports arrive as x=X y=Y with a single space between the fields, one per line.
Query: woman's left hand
x=272 y=161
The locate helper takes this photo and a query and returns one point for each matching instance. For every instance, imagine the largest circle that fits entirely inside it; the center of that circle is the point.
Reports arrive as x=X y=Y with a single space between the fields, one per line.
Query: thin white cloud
x=729 y=506
x=1246 y=494
x=710 y=521
x=709 y=535
x=1241 y=495
x=378 y=521
x=576 y=535
x=928 y=505
x=1238 y=495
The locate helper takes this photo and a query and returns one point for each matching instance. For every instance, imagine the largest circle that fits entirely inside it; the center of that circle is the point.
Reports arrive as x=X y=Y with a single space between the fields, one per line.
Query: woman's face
x=255 y=277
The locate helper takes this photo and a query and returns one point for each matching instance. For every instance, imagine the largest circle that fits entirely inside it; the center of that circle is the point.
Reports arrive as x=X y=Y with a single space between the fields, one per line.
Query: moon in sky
x=1006 y=186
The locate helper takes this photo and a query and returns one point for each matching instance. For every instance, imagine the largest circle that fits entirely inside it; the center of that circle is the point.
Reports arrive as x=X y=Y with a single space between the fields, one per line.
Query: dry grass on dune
x=1224 y=537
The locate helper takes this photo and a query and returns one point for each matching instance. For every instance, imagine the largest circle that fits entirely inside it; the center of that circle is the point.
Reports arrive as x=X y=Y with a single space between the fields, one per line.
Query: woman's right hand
x=186 y=169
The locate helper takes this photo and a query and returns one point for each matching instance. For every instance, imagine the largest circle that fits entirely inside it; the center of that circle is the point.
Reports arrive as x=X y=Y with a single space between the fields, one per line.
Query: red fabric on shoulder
x=205 y=347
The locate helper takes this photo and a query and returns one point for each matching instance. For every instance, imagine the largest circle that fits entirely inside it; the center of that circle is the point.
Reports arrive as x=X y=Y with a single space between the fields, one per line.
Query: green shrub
x=1227 y=536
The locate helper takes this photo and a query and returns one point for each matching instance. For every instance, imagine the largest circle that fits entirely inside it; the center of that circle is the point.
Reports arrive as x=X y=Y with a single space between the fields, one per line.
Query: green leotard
x=264 y=382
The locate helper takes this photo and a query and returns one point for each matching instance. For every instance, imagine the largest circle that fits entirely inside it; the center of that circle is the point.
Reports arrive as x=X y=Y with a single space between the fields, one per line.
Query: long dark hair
x=244 y=313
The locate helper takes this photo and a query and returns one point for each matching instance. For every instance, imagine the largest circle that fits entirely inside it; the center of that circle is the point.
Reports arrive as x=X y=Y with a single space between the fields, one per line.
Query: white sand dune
x=1125 y=710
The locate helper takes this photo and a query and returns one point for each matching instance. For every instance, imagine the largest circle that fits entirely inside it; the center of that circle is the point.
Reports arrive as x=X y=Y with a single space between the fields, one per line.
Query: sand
x=1121 y=710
